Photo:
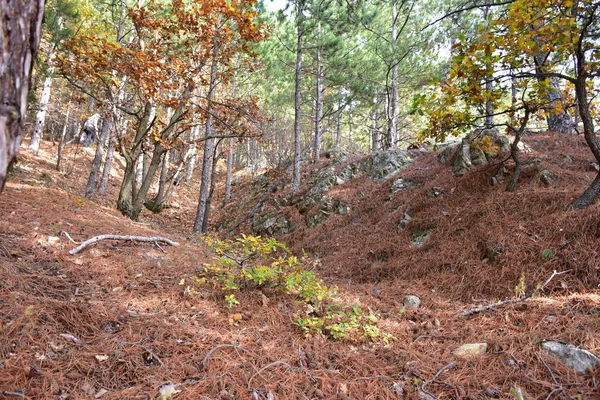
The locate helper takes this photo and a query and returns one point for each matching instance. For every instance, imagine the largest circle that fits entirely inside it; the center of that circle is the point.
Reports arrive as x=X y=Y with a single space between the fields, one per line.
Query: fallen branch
x=511 y=301
x=288 y=366
x=99 y=238
x=434 y=379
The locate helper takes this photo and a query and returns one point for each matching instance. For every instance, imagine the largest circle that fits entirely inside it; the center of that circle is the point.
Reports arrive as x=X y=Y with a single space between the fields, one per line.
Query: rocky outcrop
x=467 y=155
x=271 y=225
x=328 y=207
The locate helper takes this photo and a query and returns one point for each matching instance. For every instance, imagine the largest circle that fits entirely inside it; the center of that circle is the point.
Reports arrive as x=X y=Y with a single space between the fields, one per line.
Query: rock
x=399 y=185
x=420 y=237
x=547 y=177
x=34 y=223
x=478 y=157
x=579 y=360
x=328 y=207
x=436 y=191
x=383 y=165
x=567 y=159
x=306 y=204
x=406 y=219
x=446 y=154
x=322 y=181
x=462 y=158
x=471 y=350
x=522 y=146
x=412 y=302
x=271 y=225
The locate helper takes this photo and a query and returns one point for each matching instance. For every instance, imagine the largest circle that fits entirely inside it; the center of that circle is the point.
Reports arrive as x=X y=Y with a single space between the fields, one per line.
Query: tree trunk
x=63 y=135
x=20 y=28
x=201 y=213
x=156 y=205
x=40 y=118
x=557 y=121
x=191 y=165
x=92 y=183
x=107 y=164
x=213 y=180
x=227 y=198
x=297 y=100
x=338 y=131
x=318 y=106
x=590 y=195
x=393 y=111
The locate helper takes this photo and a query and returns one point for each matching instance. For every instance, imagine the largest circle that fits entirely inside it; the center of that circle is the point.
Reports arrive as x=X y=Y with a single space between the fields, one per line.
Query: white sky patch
x=275 y=5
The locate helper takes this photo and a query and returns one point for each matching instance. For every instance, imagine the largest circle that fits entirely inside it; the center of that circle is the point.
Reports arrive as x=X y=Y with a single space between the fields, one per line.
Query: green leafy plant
x=254 y=263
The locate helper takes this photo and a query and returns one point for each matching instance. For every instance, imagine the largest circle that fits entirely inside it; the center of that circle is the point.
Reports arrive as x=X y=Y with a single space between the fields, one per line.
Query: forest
x=299 y=199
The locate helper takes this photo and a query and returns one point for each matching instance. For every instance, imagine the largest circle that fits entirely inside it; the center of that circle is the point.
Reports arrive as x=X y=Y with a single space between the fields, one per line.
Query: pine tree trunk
x=318 y=106
x=40 y=118
x=20 y=29
x=297 y=102
x=201 y=213
x=393 y=111
x=63 y=135
x=92 y=183
x=213 y=180
x=191 y=165
x=227 y=198
x=338 y=130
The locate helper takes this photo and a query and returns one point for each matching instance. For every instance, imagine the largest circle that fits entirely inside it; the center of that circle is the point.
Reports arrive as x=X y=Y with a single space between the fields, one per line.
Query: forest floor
x=116 y=322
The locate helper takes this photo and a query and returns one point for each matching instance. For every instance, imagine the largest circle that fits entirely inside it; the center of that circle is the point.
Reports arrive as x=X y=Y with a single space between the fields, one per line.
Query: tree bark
x=191 y=165
x=393 y=111
x=227 y=198
x=201 y=220
x=63 y=135
x=557 y=121
x=318 y=105
x=92 y=183
x=20 y=29
x=107 y=164
x=590 y=195
x=297 y=100
x=40 y=118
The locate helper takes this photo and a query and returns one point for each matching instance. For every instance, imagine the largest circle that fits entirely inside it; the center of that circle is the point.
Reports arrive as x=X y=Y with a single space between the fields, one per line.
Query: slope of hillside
x=116 y=321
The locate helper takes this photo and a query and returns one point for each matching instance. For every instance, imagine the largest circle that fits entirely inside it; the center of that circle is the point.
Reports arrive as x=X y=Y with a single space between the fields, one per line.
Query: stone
x=328 y=207
x=446 y=154
x=412 y=302
x=420 y=237
x=383 y=165
x=399 y=185
x=470 y=350
x=406 y=219
x=271 y=225
x=522 y=146
x=462 y=158
x=579 y=360
x=478 y=157
x=547 y=177
x=306 y=204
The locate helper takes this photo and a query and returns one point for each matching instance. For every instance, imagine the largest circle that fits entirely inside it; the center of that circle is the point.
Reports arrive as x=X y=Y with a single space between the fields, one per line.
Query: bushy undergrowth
x=252 y=263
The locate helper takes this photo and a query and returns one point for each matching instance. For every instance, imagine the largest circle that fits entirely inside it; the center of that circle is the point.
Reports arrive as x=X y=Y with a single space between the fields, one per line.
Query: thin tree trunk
x=297 y=100
x=338 y=131
x=318 y=105
x=191 y=165
x=201 y=214
x=108 y=163
x=227 y=198
x=40 y=118
x=392 y=131
x=63 y=135
x=213 y=180
x=92 y=183
x=557 y=121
